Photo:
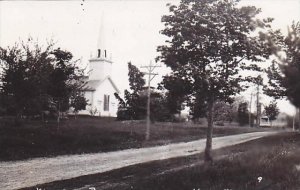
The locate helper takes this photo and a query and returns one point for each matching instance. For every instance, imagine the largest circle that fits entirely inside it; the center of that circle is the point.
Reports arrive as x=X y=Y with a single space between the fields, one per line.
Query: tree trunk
x=58 y=116
x=298 y=118
x=294 y=121
x=58 y=120
x=208 y=147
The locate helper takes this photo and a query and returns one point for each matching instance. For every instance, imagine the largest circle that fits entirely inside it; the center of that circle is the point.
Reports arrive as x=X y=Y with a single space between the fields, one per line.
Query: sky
x=131 y=28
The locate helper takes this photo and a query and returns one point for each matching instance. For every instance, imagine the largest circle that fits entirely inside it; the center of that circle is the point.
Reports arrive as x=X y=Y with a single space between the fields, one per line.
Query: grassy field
x=87 y=135
x=266 y=163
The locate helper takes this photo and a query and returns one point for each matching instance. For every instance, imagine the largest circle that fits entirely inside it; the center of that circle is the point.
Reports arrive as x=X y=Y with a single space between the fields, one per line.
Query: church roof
x=93 y=84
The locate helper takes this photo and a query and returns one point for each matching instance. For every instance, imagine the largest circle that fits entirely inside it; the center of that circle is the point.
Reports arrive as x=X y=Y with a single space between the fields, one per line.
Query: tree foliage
x=243 y=114
x=36 y=79
x=224 y=112
x=284 y=73
x=208 y=44
x=133 y=106
x=175 y=96
x=136 y=81
x=24 y=77
x=272 y=110
x=78 y=102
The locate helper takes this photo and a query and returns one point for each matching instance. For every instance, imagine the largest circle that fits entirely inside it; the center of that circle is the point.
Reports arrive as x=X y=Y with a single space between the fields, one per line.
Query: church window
x=106 y=102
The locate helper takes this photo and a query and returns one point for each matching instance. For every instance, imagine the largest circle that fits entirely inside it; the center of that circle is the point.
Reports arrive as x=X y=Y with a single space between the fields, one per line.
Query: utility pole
x=250 y=108
x=150 y=68
x=258 y=107
x=294 y=121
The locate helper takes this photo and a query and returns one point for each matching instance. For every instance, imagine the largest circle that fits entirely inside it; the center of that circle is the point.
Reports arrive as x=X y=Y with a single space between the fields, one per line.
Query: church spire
x=101 y=45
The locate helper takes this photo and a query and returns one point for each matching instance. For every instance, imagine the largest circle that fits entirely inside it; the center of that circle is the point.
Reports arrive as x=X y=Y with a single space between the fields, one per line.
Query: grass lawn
x=87 y=135
x=266 y=163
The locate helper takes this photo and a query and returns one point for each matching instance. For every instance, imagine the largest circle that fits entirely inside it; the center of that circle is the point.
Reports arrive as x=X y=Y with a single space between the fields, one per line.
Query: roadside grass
x=266 y=163
x=89 y=135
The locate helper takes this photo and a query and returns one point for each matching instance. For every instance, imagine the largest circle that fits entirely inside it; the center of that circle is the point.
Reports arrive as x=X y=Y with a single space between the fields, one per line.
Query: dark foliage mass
x=243 y=113
x=133 y=106
x=272 y=110
x=36 y=80
x=284 y=73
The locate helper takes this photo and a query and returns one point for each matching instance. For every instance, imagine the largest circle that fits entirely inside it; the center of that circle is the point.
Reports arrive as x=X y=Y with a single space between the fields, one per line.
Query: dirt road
x=19 y=174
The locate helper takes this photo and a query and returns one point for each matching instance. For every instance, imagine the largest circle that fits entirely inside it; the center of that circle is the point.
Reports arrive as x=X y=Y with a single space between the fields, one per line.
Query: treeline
x=166 y=105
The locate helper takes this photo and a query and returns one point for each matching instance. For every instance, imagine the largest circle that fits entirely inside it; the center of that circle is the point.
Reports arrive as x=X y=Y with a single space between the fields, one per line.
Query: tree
x=35 y=79
x=159 y=105
x=209 y=43
x=136 y=80
x=243 y=113
x=284 y=73
x=65 y=82
x=131 y=107
x=78 y=102
x=224 y=111
x=272 y=111
x=25 y=70
x=175 y=93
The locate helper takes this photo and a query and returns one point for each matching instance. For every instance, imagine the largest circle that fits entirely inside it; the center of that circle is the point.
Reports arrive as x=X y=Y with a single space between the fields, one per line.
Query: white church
x=100 y=87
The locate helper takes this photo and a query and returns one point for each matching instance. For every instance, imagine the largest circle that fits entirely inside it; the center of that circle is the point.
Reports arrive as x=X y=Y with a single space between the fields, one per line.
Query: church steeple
x=101 y=64
x=101 y=45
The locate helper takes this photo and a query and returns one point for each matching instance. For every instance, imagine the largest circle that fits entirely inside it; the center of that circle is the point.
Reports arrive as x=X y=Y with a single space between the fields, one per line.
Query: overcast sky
x=131 y=27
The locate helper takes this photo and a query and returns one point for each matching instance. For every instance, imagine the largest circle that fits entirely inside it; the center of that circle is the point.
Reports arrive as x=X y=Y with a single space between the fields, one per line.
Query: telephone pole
x=150 y=68
x=250 y=109
x=258 y=107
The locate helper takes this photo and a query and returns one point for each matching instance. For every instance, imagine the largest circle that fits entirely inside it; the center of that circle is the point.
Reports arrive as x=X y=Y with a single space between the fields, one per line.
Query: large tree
x=24 y=77
x=284 y=73
x=132 y=106
x=36 y=79
x=210 y=42
x=65 y=82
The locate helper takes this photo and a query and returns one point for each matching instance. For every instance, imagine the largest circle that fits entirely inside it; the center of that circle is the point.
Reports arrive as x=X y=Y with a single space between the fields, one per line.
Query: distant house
x=264 y=121
x=100 y=87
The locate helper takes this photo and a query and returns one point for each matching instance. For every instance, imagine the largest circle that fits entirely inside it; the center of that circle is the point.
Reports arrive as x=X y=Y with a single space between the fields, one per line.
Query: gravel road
x=27 y=173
